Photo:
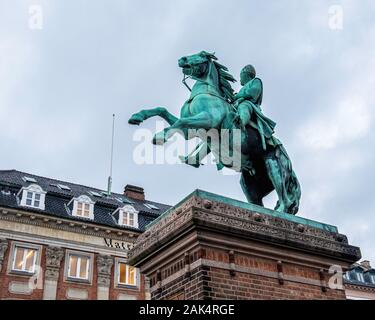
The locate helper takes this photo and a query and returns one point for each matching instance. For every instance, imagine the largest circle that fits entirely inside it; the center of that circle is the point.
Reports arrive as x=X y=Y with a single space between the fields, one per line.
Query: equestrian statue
x=264 y=163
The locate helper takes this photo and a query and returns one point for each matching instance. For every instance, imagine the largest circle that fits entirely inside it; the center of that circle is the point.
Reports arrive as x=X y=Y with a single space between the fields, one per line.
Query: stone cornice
x=52 y=222
x=197 y=212
x=364 y=287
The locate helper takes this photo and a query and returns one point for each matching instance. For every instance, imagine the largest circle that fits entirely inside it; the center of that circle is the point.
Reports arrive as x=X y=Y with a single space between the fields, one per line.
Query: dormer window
x=128 y=216
x=33 y=196
x=83 y=207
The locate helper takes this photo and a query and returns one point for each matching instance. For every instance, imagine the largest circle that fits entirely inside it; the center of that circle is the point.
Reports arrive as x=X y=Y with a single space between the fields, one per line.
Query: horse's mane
x=225 y=78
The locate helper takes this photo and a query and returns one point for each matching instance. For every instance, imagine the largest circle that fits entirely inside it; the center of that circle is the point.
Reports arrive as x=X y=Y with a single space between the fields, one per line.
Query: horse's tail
x=293 y=188
x=294 y=192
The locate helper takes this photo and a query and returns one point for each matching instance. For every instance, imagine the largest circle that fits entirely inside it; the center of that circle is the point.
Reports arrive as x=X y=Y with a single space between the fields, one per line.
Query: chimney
x=134 y=192
x=365 y=264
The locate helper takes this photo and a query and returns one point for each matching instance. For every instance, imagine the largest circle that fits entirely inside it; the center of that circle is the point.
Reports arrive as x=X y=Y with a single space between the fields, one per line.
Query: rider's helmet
x=247 y=73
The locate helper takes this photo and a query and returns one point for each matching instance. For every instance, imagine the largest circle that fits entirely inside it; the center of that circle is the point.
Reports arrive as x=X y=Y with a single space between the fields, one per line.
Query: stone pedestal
x=212 y=247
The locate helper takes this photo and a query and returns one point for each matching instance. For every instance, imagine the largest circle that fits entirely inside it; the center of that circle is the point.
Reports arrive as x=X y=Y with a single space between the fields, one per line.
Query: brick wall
x=248 y=286
x=207 y=274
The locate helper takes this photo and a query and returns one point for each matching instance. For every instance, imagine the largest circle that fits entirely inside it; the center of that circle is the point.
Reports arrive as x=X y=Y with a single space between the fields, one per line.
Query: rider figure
x=247 y=103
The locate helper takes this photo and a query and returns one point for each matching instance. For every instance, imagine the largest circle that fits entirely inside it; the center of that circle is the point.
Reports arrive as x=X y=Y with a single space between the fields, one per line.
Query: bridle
x=190 y=76
x=184 y=81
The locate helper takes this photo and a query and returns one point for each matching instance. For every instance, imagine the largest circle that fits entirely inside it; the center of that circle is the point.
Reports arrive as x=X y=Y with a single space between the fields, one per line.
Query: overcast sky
x=60 y=84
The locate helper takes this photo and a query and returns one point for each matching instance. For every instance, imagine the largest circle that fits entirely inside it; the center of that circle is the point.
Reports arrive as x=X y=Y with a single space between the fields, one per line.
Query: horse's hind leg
x=249 y=188
x=277 y=178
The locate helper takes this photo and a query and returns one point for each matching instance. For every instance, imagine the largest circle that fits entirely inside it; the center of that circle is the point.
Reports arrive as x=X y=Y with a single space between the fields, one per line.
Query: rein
x=184 y=81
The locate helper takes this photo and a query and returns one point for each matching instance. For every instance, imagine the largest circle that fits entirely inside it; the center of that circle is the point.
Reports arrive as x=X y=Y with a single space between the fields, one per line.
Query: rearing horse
x=210 y=106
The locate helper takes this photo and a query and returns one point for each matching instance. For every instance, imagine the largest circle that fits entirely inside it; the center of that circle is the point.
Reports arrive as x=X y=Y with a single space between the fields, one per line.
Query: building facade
x=60 y=240
x=360 y=281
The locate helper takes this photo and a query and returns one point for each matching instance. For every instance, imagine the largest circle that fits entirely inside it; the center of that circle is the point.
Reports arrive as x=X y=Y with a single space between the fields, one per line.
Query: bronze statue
x=264 y=163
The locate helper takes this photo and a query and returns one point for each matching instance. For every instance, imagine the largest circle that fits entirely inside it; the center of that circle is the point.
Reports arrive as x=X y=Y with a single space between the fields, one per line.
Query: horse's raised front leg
x=202 y=120
x=143 y=115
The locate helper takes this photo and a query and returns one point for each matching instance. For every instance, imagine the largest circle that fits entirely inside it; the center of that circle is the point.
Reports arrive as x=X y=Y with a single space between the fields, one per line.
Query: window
x=79 y=267
x=360 y=276
x=95 y=194
x=123 y=200
x=128 y=216
x=128 y=219
x=151 y=206
x=24 y=259
x=126 y=275
x=83 y=207
x=372 y=277
x=29 y=179
x=33 y=199
x=63 y=187
x=33 y=196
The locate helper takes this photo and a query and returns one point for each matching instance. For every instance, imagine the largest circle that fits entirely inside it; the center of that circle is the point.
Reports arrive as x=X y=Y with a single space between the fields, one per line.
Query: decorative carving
x=104 y=264
x=207 y=204
x=3 y=249
x=280 y=274
x=258 y=217
x=232 y=265
x=54 y=257
x=234 y=219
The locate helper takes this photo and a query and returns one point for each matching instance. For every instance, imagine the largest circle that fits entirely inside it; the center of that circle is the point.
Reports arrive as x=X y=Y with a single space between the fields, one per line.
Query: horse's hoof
x=135 y=119
x=158 y=140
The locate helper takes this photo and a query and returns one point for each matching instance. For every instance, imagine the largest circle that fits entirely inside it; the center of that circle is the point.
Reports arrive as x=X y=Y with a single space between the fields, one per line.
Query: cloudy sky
x=62 y=78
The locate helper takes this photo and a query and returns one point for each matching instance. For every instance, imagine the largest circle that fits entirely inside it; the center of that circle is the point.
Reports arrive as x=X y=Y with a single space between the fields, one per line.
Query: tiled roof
x=57 y=199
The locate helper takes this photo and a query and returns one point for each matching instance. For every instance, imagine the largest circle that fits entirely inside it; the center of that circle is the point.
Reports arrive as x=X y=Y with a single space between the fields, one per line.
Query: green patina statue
x=264 y=163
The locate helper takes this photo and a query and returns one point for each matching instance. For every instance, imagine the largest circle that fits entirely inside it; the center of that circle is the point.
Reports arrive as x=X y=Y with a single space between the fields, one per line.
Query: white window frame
x=25 y=253
x=372 y=277
x=85 y=201
x=34 y=189
x=126 y=211
x=12 y=258
x=119 y=261
x=79 y=255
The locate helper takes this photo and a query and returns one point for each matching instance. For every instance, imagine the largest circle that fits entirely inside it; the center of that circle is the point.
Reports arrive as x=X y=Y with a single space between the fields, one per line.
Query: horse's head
x=204 y=67
x=196 y=65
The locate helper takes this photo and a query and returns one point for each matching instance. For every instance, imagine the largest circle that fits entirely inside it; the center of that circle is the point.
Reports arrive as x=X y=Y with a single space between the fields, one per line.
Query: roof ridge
x=57 y=180
x=79 y=185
